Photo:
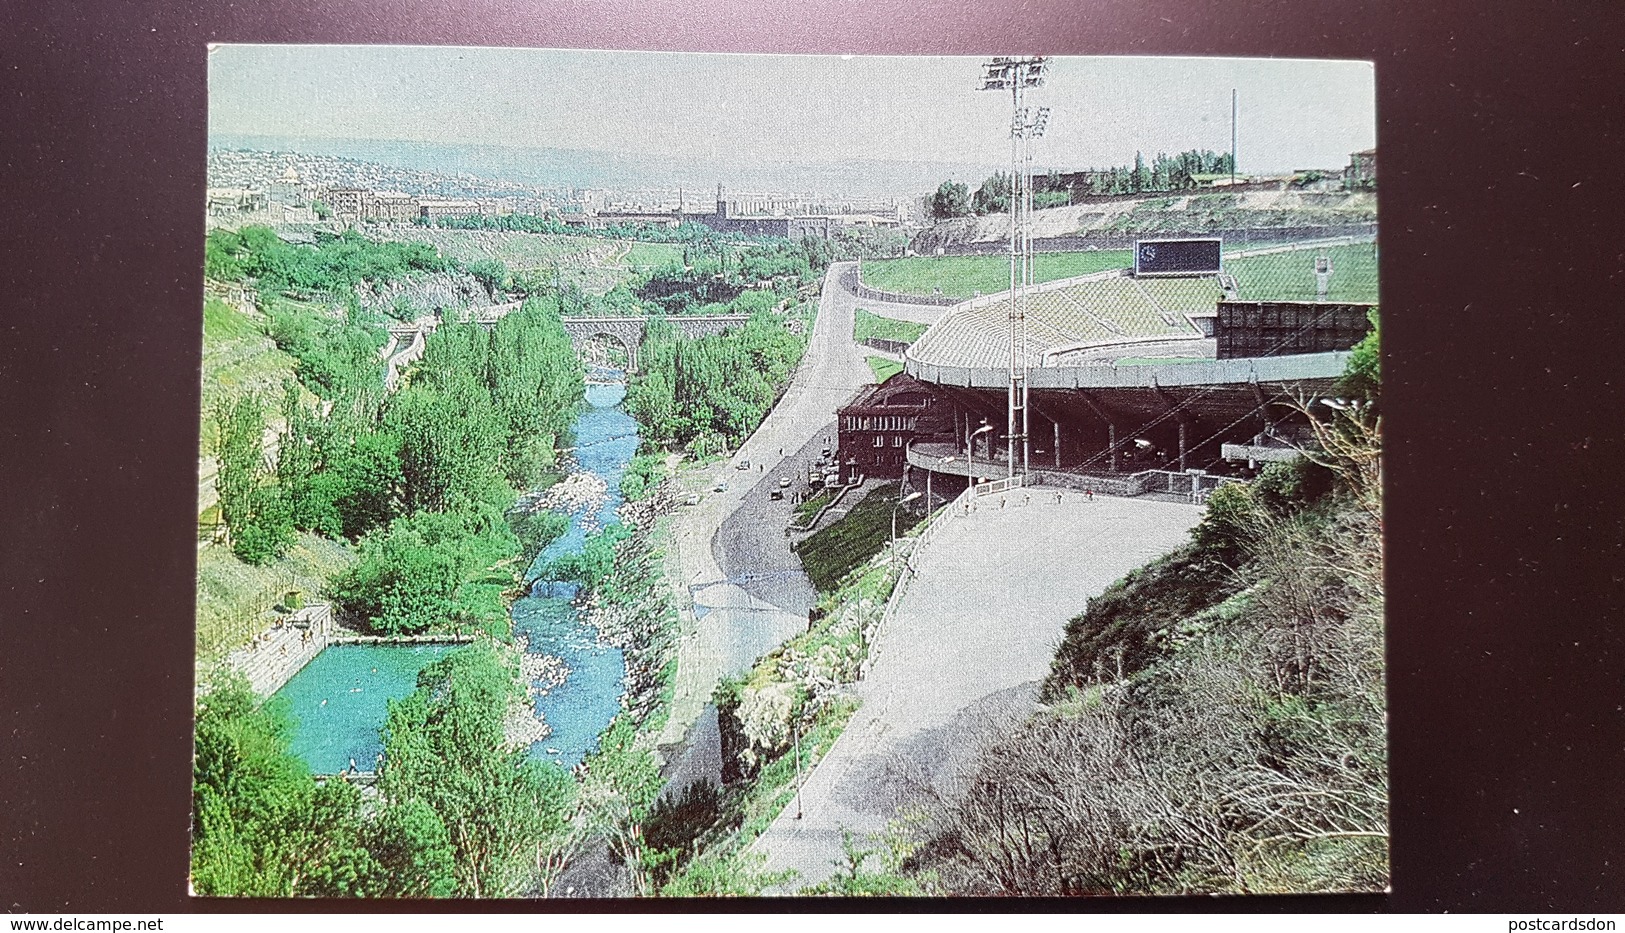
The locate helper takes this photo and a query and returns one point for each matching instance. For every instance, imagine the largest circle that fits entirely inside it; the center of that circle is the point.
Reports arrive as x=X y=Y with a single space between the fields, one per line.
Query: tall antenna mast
x=1232 y=136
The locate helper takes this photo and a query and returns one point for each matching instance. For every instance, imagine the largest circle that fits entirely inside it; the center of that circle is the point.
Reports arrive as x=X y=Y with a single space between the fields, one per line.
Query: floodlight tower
x=1017 y=75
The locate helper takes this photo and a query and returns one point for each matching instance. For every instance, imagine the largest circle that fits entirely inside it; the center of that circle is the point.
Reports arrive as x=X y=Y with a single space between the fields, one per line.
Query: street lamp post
x=795 y=741
x=908 y=498
x=970 y=452
x=930 y=502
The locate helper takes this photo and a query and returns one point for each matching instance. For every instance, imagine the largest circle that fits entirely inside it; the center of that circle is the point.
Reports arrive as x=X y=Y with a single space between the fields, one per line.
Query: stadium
x=1194 y=368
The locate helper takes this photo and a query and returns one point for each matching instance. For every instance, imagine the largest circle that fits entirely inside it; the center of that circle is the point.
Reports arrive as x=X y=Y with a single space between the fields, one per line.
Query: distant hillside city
x=257 y=186
x=283 y=187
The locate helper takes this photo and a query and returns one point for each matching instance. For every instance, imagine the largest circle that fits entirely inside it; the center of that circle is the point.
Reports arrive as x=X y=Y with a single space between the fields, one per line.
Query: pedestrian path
x=975 y=633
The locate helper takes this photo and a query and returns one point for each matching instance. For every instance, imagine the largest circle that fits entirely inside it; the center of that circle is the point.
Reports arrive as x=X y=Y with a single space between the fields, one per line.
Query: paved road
x=973 y=637
x=729 y=628
x=752 y=547
x=918 y=313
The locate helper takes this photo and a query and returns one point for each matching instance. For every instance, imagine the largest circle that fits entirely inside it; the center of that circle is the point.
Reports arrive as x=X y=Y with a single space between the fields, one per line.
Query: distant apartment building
x=728 y=219
x=586 y=201
x=435 y=210
x=1362 y=169
x=752 y=216
x=349 y=205
x=290 y=188
x=394 y=208
x=225 y=201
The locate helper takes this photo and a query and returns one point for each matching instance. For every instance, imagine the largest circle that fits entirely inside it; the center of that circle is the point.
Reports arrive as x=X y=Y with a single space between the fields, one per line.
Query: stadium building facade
x=1126 y=376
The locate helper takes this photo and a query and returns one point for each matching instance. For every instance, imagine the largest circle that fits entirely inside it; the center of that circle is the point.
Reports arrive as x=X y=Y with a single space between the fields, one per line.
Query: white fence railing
x=1000 y=485
x=1195 y=486
x=905 y=576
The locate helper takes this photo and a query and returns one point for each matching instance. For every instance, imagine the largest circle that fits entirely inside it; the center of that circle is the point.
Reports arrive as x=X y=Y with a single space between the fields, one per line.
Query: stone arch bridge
x=406 y=340
x=629 y=331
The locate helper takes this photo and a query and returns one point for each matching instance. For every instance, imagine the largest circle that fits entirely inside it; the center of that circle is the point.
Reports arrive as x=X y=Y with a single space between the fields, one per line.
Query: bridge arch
x=629 y=331
x=630 y=345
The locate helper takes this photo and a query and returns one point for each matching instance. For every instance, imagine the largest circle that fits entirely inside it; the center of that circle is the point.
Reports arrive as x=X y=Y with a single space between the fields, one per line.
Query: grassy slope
x=832 y=552
x=1119 y=628
x=237 y=358
x=1220 y=210
x=648 y=255
x=963 y=276
x=234 y=599
x=883 y=368
x=867 y=325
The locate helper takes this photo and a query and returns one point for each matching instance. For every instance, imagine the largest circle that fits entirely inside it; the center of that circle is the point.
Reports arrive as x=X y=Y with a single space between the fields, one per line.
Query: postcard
x=632 y=474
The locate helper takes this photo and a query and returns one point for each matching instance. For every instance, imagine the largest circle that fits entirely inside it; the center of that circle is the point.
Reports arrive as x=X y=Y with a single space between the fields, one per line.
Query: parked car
x=692 y=500
x=776 y=494
x=721 y=486
x=784 y=482
x=743 y=465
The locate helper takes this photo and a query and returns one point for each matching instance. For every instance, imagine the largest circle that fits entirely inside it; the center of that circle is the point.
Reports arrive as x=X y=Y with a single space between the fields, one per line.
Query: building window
x=880 y=440
x=897 y=440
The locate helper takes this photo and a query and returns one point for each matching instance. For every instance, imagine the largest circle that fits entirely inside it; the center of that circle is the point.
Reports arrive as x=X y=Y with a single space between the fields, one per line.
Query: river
x=340 y=699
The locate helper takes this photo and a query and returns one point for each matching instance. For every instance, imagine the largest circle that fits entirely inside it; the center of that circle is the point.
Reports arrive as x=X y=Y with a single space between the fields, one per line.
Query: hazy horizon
x=706 y=109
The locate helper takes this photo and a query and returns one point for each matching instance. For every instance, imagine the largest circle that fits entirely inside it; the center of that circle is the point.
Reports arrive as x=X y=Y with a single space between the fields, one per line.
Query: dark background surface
x=1178 y=256
x=1502 y=265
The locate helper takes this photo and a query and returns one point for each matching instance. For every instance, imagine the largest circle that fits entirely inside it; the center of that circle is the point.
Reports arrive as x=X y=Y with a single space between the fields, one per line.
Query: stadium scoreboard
x=1196 y=256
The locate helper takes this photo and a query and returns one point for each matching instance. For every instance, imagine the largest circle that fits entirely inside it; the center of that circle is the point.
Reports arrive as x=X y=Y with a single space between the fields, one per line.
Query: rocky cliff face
x=418 y=294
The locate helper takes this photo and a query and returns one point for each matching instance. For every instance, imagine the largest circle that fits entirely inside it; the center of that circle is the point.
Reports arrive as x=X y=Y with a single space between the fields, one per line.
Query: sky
x=1293 y=113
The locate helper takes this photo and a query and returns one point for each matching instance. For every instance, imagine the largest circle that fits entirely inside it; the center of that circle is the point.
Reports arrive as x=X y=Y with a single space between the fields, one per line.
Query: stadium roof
x=1108 y=316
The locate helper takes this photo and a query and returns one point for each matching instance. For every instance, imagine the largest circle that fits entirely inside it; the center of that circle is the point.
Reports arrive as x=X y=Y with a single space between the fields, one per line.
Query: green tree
x=406 y=577
x=993 y=197
x=1362 y=377
x=1221 y=535
x=413 y=851
x=535 y=381
x=951 y=200
x=366 y=478
x=260 y=825
x=444 y=749
x=450 y=443
x=239 y=429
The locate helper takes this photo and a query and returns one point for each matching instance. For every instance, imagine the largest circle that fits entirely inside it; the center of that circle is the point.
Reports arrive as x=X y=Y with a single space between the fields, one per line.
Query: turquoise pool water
x=340 y=700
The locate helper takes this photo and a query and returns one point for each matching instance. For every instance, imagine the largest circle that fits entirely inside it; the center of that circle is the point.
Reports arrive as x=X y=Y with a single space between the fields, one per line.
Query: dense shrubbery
x=334 y=265
x=460 y=812
x=260 y=826
x=531 y=223
x=446 y=755
x=642 y=476
x=421 y=479
x=707 y=393
x=335 y=358
x=411 y=575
